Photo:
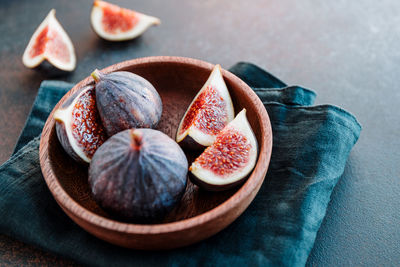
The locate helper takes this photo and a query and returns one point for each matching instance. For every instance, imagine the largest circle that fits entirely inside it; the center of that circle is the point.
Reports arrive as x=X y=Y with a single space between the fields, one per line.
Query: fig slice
x=114 y=23
x=50 y=42
x=229 y=160
x=210 y=111
x=78 y=125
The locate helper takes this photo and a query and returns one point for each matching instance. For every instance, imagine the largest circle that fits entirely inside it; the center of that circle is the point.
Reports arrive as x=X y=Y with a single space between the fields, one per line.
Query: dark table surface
x=347 y=51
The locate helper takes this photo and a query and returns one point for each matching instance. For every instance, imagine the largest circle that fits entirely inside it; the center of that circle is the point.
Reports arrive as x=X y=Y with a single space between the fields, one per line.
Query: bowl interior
x=177 y=83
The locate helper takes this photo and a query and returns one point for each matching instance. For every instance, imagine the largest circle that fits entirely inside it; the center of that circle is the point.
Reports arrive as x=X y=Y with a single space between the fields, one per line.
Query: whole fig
x=138 y=174
x=126 y=100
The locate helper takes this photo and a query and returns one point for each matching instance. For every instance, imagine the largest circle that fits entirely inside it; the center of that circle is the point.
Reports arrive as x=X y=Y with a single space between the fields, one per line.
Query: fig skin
x=126 y=100
x=212 y=187
x=138 y=175
x=189 y=144
x=62 y=137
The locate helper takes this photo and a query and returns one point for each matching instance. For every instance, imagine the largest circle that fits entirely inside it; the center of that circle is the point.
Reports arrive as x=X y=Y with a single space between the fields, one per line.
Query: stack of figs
x=139 y=173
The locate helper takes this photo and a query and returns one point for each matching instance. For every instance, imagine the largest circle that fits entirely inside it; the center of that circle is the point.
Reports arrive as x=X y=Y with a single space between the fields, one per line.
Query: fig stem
x=137 y=137
x=96 y=74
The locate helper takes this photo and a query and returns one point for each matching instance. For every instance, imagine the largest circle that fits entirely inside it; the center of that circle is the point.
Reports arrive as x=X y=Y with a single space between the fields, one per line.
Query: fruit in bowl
x=78 y=125
x=126 y=100
x=228 y=161
x=138 y=174
x=210 y=111
x=199 y=214
x=118 y=101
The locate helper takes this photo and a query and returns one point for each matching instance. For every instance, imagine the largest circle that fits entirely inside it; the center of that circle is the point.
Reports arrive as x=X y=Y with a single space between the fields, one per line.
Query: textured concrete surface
x=347 y=51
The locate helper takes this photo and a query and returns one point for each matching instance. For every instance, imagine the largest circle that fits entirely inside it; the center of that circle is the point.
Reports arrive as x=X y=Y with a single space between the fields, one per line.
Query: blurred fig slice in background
x=230 y=159
x=78 y=125
x=114 y=23
x=50 y=42
x=210 y=111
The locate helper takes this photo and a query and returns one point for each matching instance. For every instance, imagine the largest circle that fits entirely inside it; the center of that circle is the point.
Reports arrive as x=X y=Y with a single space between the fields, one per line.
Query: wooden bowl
x=200 y=214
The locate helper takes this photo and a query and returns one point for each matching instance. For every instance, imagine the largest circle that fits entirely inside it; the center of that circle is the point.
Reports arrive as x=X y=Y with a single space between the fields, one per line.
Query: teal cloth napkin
x=310 y=148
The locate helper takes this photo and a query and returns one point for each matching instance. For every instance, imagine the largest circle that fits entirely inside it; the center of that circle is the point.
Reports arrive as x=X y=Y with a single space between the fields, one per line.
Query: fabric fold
x=291 y=95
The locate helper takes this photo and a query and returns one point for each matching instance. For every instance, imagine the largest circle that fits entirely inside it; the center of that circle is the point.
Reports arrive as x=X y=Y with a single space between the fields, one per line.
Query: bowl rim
x=251 y=184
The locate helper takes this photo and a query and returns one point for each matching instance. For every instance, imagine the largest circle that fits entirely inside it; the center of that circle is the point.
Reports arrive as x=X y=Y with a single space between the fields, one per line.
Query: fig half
x=50 y=42
x=78 y=125
x=230 y=159
x=210 y=111
x=114 y=23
